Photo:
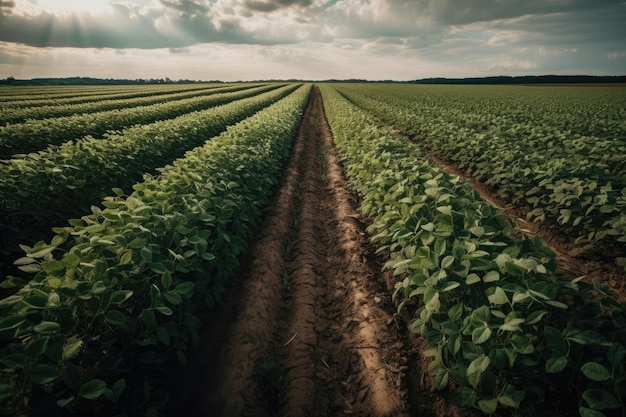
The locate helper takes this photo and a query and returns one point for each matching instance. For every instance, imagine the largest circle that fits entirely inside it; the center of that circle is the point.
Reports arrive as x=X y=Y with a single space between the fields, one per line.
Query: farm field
x=294 y=250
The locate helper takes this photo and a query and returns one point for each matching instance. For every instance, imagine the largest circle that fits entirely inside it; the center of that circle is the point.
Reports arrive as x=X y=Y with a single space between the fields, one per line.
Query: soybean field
x=290 y=249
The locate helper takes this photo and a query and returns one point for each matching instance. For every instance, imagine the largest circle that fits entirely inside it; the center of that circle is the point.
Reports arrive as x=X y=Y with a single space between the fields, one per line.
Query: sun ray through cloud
x=430 y=38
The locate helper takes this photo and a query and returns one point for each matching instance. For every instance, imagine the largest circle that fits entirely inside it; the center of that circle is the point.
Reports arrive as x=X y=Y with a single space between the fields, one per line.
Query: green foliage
x=36 y=134
x=48 y=187
x=558 y=153
x=498 y=320
x=114 y=298
x=28 y=107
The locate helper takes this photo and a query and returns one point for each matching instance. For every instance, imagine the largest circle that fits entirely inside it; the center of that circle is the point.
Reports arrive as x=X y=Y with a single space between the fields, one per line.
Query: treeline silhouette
x=528 y=79
x=525 y=79
x=98 y=81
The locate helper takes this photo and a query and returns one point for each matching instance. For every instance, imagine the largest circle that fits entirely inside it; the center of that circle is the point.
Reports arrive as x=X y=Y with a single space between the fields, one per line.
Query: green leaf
x=37 y=346
x=185 y=289
x=166 y=311
x=93 y=389
x=65 y=401
x=47 y=327
x=511 y=397
x=71 y=375
x=166 y=280
x=556 y=304
x=456 y=312
x=14 y=361
x=26 y=260
x=555 y=339
x=208 y=256
x=71 y=348
x=71 y=260
x=536 y=316
x=491 y=276
x=118 y=191
x=588 y=412
x=43 y=374
x=447 y=262
x=615 y=354
x=488 y=406
x=146 y=254
x=158 y=267
x=126 y=257
x=595 y=371
x=30 y=269
x=441 y=379
x=163 y=335
x=466 y=398
x=472 y=279
x=512 y=325
x=476 y=368
x=477 y=231
x=498 y=297
x=148 y=318
x=556 y=363
x=450 y=286
x=137 y=243
x=481 y=335
x=173 y=297
x=53 y=267
x=42 y=252
x=11 y=322
x=119 y=296
x=116 y=318
x=118 y=387
x=599 y=399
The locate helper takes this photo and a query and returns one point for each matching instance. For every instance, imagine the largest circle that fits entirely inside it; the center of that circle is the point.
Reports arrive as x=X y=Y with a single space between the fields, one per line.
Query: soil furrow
x=305 y=328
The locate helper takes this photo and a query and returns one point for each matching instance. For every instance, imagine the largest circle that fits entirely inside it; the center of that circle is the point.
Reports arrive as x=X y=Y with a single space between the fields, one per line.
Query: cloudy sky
x=310 y=39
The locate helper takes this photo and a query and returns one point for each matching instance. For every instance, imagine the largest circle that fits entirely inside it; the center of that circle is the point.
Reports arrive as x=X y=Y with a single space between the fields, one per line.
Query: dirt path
x=307 y=327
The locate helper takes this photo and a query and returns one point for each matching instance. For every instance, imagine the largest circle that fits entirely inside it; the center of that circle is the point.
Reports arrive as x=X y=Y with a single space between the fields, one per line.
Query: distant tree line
x=97 y=81
x=525 y=79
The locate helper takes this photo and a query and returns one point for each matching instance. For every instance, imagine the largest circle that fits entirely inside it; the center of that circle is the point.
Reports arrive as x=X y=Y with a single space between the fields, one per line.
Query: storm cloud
x=485 y=36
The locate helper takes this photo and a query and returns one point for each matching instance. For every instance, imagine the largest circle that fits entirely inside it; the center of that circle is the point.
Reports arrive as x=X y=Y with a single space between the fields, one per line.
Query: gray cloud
x=127 y=27
x=188 y=8
x=495 y=35
x=273 y=5
x=180 y=23
x=470 y=11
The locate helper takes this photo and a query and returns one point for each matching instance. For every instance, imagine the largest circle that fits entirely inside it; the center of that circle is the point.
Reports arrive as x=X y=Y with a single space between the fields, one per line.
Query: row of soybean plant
x=20 y=103
x=116 y=298
x=499 y=322
x=12 y=94
x=44 y=189
x=36 y=134
x=559 y=153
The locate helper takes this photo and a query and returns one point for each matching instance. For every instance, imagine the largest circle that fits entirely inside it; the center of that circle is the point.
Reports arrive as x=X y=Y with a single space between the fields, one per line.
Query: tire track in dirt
x=304 y=329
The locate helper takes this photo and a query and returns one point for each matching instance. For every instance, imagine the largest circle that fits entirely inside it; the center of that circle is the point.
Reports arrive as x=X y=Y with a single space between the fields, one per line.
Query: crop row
x=44 y=189
x=92 y=104
x=538 y=163
x=35 y=135
x=117 y=295
x=499 y=322
x=19 y=93
x=76 y=97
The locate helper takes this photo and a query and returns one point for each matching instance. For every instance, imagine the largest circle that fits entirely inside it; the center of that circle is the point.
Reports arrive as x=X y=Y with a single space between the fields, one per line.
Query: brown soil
x=307 y=327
